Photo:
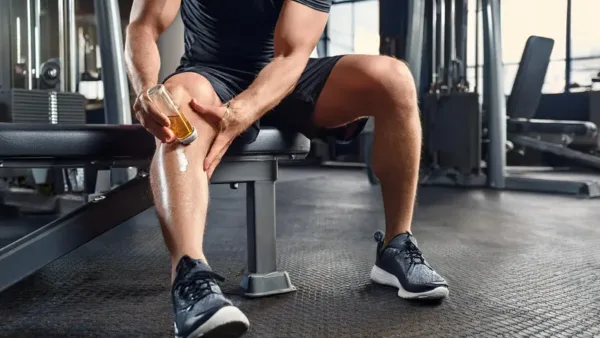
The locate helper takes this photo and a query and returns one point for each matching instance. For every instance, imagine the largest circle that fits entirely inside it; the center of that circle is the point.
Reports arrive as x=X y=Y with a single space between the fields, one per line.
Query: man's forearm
x=142 y=58
x=271 y=86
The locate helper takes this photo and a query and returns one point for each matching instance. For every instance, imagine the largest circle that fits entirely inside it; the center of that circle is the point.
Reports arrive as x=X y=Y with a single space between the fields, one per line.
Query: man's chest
x=256 y=11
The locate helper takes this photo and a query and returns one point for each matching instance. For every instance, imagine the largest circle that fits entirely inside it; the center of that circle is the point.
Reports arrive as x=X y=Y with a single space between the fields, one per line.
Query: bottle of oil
x=183 y=130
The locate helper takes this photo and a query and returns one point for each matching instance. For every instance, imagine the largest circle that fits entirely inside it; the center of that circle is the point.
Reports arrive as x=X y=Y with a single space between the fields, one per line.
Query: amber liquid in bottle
x=180 y=126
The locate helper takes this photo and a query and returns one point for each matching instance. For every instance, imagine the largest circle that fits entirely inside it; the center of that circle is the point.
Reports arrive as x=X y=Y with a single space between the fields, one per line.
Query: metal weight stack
x=41 y=106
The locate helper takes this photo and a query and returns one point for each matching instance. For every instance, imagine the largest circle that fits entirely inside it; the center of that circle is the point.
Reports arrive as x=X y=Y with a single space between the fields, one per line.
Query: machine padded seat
x=97 y=142
x=579 y=128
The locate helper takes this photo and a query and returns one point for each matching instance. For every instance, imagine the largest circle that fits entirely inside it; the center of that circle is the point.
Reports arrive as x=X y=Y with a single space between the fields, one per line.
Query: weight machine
x=465 y=144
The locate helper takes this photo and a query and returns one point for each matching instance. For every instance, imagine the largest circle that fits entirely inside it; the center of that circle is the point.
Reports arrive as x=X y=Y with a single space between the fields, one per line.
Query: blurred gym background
x=54 y=44
x=52 y=71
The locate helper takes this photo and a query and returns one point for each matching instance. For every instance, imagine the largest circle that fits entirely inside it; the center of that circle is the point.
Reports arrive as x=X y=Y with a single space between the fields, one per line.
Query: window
x=584 y=28
x=521 y=19
x=555 y=78
x=354 y=28
x=339 y=29
x=582 y=71
x=366 y=27
x=585 y=45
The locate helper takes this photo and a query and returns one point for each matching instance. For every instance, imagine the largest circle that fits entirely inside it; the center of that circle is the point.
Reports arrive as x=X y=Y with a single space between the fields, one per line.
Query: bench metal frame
x=105 y=211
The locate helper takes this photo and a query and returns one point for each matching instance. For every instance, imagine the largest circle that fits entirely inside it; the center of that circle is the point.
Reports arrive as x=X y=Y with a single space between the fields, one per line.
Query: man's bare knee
x=183 y=88
x=396 y=86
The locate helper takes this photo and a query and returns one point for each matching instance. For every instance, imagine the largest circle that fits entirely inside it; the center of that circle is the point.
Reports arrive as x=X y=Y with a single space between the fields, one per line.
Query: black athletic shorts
x=294 y=113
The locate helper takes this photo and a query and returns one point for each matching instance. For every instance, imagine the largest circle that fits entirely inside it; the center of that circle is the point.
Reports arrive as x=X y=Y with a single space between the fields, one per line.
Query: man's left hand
x=229 y=125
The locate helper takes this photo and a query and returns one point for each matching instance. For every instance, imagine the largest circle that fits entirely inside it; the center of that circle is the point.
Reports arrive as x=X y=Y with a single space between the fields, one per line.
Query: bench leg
x=263 y=279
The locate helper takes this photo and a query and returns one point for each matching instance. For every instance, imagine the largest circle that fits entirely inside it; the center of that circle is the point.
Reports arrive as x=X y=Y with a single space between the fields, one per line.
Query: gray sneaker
x=401 y=264
x=200 y=309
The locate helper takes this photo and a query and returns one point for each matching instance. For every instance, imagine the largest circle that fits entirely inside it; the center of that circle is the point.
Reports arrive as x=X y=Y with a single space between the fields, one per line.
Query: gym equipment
x=36 y=99
x=99 y=148
x=117 y=102
x=448 y=46
x=552 y=136
x=452 y=127
x=466 y=148
x=498 y=175
x=452 y=134
x=50 y=75
x=594 y=110
x=451 y=116
x=41 y=106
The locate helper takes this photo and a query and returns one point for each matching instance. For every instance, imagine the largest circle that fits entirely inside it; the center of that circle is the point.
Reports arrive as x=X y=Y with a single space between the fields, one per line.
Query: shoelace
x=197 y=285
x=413 y=253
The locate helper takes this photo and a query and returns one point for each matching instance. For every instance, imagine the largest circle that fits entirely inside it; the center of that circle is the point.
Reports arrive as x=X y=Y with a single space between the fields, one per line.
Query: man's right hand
x=153 y=120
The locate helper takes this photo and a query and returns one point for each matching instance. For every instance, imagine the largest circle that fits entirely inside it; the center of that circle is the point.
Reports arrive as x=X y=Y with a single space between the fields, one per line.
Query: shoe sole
x=380 y=276
x=228 y=322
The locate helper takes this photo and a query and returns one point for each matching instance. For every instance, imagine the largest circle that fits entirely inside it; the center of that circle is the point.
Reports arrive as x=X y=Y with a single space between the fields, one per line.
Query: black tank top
x=233 y=33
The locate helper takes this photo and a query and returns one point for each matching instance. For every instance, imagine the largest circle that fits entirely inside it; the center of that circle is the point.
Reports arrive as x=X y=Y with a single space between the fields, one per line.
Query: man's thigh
x=187 y=85
x=355 y=88
x=296 y=112
x=334 y=96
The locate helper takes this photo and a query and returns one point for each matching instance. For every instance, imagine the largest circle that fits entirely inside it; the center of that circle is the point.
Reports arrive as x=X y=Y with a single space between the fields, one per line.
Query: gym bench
x=546 y=136
x=102 y=147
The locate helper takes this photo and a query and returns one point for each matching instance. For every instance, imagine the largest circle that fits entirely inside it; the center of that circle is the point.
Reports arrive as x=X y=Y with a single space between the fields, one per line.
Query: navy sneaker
x=199 y=306
x=401 y=264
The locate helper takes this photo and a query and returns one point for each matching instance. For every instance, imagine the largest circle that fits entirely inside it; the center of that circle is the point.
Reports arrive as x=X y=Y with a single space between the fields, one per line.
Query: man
x=249 y=60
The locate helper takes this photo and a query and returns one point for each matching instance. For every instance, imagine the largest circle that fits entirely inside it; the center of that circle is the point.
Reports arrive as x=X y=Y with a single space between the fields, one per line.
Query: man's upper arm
x=300 y=26
x=155 y=15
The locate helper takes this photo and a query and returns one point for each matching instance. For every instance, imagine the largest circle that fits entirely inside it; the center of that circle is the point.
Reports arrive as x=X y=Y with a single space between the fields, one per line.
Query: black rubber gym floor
x=518 y=265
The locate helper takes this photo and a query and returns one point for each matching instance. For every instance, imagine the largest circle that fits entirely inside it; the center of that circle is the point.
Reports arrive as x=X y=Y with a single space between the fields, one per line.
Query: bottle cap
x=189 y=139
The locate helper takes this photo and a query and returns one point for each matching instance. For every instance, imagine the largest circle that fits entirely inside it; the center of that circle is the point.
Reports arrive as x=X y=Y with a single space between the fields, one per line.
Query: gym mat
x=518 y=264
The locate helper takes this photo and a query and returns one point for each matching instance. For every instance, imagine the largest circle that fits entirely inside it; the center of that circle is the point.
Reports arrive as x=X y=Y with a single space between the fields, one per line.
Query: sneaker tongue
x=399 y=240
x=187 y=265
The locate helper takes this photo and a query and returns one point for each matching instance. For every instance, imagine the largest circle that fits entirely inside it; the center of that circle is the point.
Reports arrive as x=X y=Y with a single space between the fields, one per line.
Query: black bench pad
x=579 y=128
x=96 y=142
